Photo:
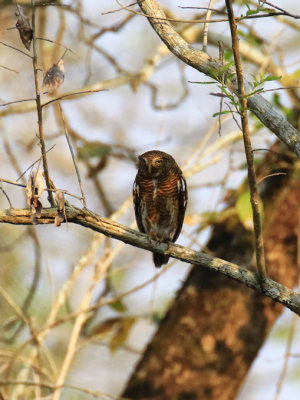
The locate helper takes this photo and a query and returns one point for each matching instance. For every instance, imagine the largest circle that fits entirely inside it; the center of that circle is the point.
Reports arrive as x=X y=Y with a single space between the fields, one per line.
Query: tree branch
x=259 y=243
x=212 y=67
x=86 y=218
x=39 y=108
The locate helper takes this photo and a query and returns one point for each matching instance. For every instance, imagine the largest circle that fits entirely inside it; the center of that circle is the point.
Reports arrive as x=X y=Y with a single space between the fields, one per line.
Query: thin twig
x=202 y=21
x=281 y=9
x=283 y=12
x=119 y=9
x=205 y=29
x=39 y=109
x=79 y=321
x=269 y=176
x=51 y=190
x=15 y=102
x=201 y=8
x=73 y=158
x=115 y=28
x=35 y=162
x=173 y=105
x=73 y=94
x=9 y=69
x=221 y=57
x=58 y=44
x=14 y=48
x=6 y=195
x=259 y=246
x=100 y=272
x=286 y=356
x=52 y=387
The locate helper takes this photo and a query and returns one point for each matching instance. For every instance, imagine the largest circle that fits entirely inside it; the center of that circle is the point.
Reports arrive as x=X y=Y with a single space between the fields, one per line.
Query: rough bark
x=213 y=331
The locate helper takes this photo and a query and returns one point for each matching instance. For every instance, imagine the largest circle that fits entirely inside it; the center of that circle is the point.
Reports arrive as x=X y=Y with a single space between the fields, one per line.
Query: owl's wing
x=137 y=206
x=182 y=203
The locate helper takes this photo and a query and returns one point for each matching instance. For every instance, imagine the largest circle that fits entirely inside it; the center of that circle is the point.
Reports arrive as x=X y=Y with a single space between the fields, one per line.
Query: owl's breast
x=159 y=206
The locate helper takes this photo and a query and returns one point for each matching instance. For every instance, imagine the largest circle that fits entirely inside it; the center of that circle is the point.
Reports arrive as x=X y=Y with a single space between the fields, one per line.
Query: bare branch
x=259 y=244
x=86 y=218
x=73 y=157
x=39 y=108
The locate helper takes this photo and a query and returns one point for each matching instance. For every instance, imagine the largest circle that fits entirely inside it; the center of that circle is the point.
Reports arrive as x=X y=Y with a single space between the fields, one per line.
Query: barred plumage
x=160 y=198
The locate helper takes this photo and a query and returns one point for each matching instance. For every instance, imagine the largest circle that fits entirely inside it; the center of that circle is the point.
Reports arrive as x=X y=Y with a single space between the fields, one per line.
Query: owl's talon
x=154 y=236
x=168 y=251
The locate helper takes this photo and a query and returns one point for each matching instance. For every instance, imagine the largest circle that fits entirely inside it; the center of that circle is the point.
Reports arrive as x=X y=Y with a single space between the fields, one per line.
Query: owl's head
x=155 y=164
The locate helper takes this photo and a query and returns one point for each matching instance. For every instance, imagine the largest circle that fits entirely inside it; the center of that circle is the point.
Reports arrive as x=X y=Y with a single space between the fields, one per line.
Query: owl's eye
x=158 y=162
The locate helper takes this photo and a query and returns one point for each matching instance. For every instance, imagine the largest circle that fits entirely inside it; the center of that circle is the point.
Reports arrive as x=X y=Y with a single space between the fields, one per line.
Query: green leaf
x=228 y=55
x=157 y=317
x=244 y=210
x=254 y=92
x=203 y=83
x=122 y=332
x=93 y=149
x=241 y=33
x=118 y=306
x=252 y=12
x=221 y=113
x=225 y=67
x=246 y=4
x=272 y=78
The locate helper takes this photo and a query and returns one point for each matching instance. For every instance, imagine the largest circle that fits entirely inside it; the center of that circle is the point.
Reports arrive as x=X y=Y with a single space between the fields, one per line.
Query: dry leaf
x=35 y=187
x=59 y=218
x=60 y=201
x=122 y=333
x=54 y=77
x=24 y=28
x=38 y=209
x=104 y=328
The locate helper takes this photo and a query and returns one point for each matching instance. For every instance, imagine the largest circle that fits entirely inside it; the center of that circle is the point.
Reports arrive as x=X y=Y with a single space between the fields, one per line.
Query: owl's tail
x=160 y=259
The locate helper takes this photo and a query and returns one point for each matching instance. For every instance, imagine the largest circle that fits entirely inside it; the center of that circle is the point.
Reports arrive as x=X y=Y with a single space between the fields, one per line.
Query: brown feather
x=160 y=198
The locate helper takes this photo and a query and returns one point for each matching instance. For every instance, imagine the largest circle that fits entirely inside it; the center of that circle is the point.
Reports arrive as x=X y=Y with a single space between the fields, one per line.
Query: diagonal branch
x=272 y=289
x=212 y=67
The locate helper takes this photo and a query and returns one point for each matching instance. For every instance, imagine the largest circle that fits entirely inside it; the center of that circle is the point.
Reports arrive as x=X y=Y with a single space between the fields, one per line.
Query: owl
x=160 y=199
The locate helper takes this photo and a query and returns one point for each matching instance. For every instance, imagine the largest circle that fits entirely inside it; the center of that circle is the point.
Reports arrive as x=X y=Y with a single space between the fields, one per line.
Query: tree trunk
x=215 y=327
